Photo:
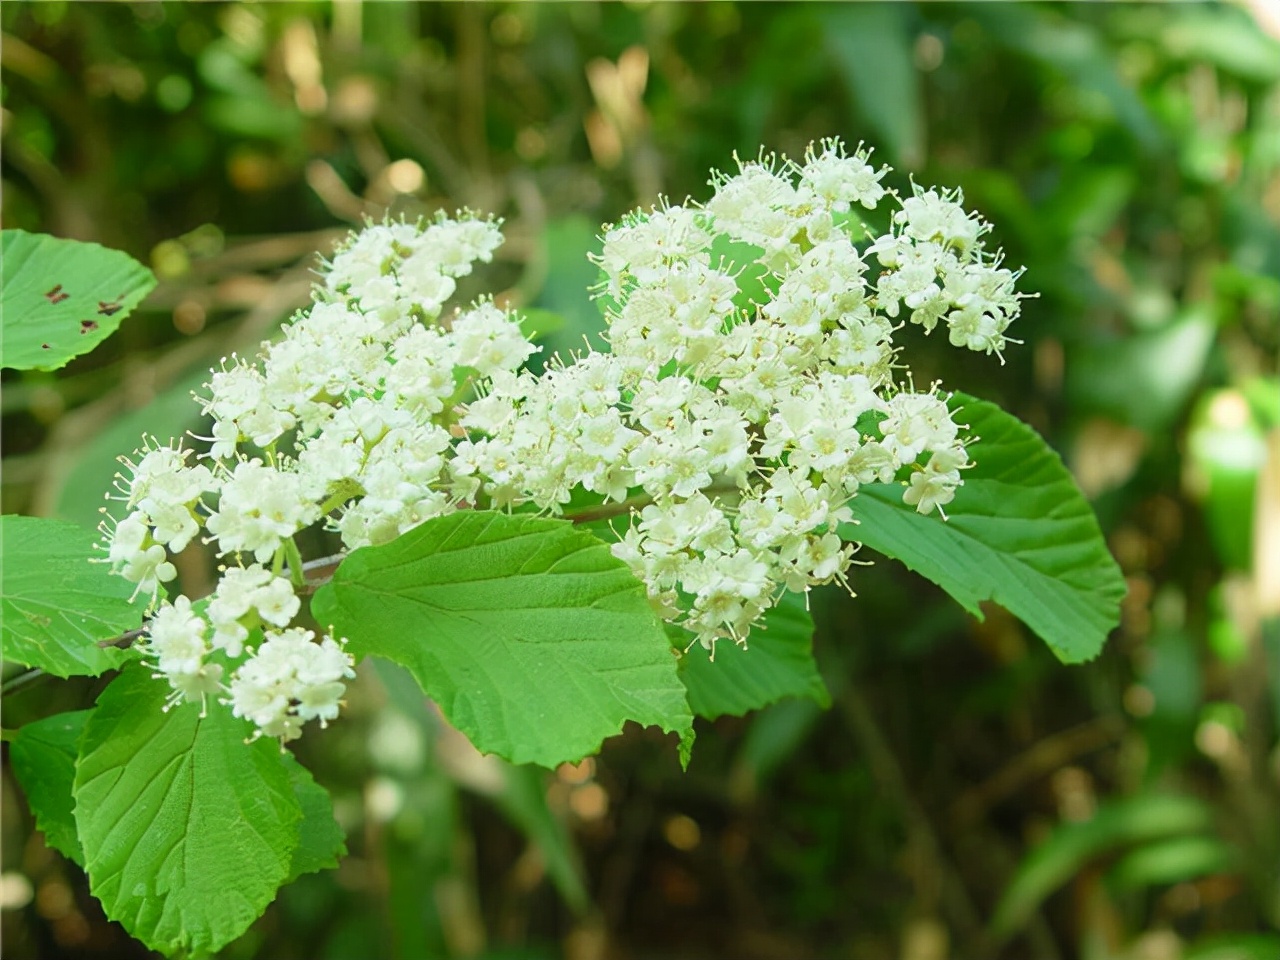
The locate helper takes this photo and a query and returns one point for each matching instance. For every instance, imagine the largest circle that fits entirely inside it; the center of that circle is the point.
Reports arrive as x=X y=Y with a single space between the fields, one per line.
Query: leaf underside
x=43 y=755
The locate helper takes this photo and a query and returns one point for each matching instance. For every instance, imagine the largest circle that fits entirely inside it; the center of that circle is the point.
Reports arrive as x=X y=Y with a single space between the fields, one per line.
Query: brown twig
x=1047 y=755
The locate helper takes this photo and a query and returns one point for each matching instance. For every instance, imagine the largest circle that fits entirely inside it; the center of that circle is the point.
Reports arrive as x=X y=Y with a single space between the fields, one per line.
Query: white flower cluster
x=751 y=386
x=348 y=412
x=749 y=423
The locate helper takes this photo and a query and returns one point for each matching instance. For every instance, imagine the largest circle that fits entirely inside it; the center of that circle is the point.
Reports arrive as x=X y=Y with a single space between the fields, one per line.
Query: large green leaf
x=535 y=641
x=55 y=604
x=43 y=755
x=778 y=662
x=188 y=830
x=62 y=298
x=1018 y=532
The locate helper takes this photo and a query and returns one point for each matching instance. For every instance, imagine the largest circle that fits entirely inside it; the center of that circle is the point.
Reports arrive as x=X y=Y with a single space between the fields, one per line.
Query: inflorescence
x=750 y=387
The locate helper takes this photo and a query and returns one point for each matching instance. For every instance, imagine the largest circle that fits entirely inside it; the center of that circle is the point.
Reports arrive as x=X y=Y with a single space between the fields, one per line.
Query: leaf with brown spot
x=42 y=326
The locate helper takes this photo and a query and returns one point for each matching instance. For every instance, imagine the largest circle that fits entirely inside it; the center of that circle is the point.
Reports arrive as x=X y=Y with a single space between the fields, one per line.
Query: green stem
x=20 y=680
x=346 y=489
x=296 y=574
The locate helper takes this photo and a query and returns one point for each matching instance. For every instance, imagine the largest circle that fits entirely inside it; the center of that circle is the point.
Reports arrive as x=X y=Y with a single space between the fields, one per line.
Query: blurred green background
x=966 y=797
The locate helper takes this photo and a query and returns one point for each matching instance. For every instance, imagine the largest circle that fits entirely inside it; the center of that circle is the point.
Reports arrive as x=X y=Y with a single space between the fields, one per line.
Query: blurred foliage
x=966 y=796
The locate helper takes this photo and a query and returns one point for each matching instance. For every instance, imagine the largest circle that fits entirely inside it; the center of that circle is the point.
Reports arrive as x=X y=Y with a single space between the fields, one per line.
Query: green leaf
x=1072 y=845
x=564 y=275
x=872 y=47
x=1225 y=37
x=92 y=466
x=538 y=324
x=1235 y=946
x=43 y=755
x=536 y=642
x=1018 y=532
x=55 y=604
x=62 y=298
x=321 y=842
x=1049 y=36
x=187 y=829
x=522 y=798
x=777 y=663
x=1170 y=861
x=756 y=285
x=1144 y=379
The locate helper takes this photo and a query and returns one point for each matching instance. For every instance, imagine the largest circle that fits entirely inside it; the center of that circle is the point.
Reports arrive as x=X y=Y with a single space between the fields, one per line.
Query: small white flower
x=917 y=422
x=135 y=556
x=259 y=508
x=489 y=341
x=841 y=180
x=176 y=637
x=930 y=215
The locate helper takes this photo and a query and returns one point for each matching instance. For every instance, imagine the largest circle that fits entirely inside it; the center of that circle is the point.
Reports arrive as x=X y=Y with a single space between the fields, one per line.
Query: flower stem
x=605 y=511
x=296 y=574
